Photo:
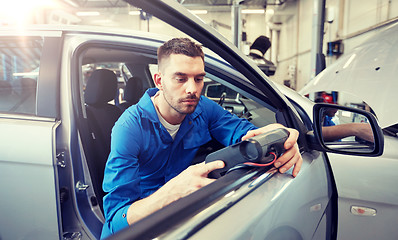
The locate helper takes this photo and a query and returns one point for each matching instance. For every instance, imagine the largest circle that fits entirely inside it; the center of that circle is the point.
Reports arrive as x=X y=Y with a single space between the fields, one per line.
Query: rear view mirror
x=347 y=130
x=216 y=90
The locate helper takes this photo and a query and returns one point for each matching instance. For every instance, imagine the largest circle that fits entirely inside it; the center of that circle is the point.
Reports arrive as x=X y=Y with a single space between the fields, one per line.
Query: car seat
x=132 y=92
x=101 y=88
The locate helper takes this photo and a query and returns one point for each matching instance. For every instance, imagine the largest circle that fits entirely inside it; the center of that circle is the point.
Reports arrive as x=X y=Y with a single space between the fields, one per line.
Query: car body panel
x=371 y=183
x=30 y=202
x=281 y=208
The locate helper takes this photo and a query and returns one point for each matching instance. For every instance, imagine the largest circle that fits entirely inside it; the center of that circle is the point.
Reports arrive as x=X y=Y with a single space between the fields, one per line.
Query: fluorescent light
x=198 y=12
x=85 y=14
x=134 y=13
x=253 y=11
x=102 y=21
x=25 y=74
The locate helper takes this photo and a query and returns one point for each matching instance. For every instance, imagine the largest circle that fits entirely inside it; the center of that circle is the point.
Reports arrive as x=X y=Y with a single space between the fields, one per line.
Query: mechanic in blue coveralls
x=154 y=142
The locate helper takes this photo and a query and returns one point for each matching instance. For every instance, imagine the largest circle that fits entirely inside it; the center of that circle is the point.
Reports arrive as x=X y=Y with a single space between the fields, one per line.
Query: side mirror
x=347 y=130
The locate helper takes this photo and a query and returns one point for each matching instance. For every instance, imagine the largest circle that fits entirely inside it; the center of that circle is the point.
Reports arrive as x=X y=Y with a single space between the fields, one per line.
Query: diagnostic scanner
x=256 y=149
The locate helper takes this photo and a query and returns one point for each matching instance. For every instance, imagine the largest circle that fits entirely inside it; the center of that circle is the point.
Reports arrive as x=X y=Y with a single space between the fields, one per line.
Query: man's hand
x=188 y=181
x=292 y=154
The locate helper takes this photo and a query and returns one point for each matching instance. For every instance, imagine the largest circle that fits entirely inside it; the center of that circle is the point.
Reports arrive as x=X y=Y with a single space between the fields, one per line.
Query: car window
x=153 y=68
x=125 y=72
x=19 y=71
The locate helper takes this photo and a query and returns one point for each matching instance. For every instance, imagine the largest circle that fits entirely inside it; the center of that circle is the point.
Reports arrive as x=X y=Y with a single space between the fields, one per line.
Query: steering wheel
x=222 y=98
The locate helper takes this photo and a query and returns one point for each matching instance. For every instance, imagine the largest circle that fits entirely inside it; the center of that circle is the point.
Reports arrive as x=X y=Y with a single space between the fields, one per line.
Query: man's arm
x=361 y=130
x=188 y=181
x=291 y=157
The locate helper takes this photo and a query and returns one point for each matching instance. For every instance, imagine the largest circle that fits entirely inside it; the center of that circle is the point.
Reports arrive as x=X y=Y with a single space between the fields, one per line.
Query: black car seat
x=132 y=92
x=101 y=88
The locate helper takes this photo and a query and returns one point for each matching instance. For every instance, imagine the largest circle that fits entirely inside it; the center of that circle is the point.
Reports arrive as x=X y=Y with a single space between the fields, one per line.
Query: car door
x=261 y=204
x=28 y=135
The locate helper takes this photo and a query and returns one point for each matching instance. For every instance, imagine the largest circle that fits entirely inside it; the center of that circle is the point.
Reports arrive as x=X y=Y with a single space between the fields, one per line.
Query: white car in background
x=367 y=78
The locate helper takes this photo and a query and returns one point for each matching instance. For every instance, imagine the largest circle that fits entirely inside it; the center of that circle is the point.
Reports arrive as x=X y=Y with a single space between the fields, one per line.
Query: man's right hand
x=187 y=182
x=190 y=180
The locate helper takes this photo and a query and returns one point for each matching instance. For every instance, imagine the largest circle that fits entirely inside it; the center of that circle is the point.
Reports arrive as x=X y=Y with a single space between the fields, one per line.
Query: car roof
x=78 y=29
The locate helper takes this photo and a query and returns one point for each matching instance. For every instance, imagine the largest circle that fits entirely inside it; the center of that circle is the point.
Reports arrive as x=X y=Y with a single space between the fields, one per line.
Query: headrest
x=133 y=90
x=101 y=87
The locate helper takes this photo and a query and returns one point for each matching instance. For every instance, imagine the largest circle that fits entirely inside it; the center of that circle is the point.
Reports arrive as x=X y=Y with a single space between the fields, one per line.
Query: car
x=365 y=78
x=64 y=87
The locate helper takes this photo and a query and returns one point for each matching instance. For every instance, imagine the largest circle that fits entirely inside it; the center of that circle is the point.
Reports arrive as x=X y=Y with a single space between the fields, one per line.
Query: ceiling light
x=253 y=11
x=135 y=13
x=198 y=12
x=85 y=14
x=25 y=74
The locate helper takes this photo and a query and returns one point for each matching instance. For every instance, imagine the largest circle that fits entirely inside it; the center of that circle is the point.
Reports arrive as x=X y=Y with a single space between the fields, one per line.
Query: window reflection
x=19 y=71
x=345 y=129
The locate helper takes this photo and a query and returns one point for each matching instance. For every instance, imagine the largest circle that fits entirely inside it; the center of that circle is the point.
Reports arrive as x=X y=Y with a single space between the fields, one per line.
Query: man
x=154 y=142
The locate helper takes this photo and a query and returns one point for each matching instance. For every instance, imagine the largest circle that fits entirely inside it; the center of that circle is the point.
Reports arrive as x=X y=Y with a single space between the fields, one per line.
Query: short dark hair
x=183 y=46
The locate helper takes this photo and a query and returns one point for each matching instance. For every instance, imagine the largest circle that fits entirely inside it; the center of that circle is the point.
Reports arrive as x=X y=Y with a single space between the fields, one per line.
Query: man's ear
x=158 y=80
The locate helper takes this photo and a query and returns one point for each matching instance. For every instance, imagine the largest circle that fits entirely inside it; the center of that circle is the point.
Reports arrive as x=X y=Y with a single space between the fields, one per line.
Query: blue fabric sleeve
x=119 y=221
x=328 y=121
x=121 y=179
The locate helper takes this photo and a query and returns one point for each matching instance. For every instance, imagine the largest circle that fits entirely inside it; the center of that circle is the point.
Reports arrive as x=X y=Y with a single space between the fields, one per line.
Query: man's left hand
x=291 y=157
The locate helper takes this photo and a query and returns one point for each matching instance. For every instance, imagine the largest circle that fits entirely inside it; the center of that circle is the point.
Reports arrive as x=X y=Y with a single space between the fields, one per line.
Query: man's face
x=182 y=82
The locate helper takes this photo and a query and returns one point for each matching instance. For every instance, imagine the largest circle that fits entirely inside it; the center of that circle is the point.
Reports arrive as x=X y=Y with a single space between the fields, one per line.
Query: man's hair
x=183 y=46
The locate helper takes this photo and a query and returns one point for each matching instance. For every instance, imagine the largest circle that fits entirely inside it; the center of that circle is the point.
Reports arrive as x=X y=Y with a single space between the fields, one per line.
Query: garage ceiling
x=187 y=3
x=111 y=8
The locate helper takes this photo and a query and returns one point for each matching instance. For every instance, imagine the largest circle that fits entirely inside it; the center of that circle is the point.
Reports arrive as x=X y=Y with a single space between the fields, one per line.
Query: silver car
x=61 y=92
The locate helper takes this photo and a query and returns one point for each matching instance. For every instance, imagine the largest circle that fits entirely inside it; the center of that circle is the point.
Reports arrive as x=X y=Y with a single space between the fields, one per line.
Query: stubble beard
x=176 y=105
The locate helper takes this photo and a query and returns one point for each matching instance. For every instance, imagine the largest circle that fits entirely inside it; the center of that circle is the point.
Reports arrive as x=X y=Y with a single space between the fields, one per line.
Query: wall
x=294 y=57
